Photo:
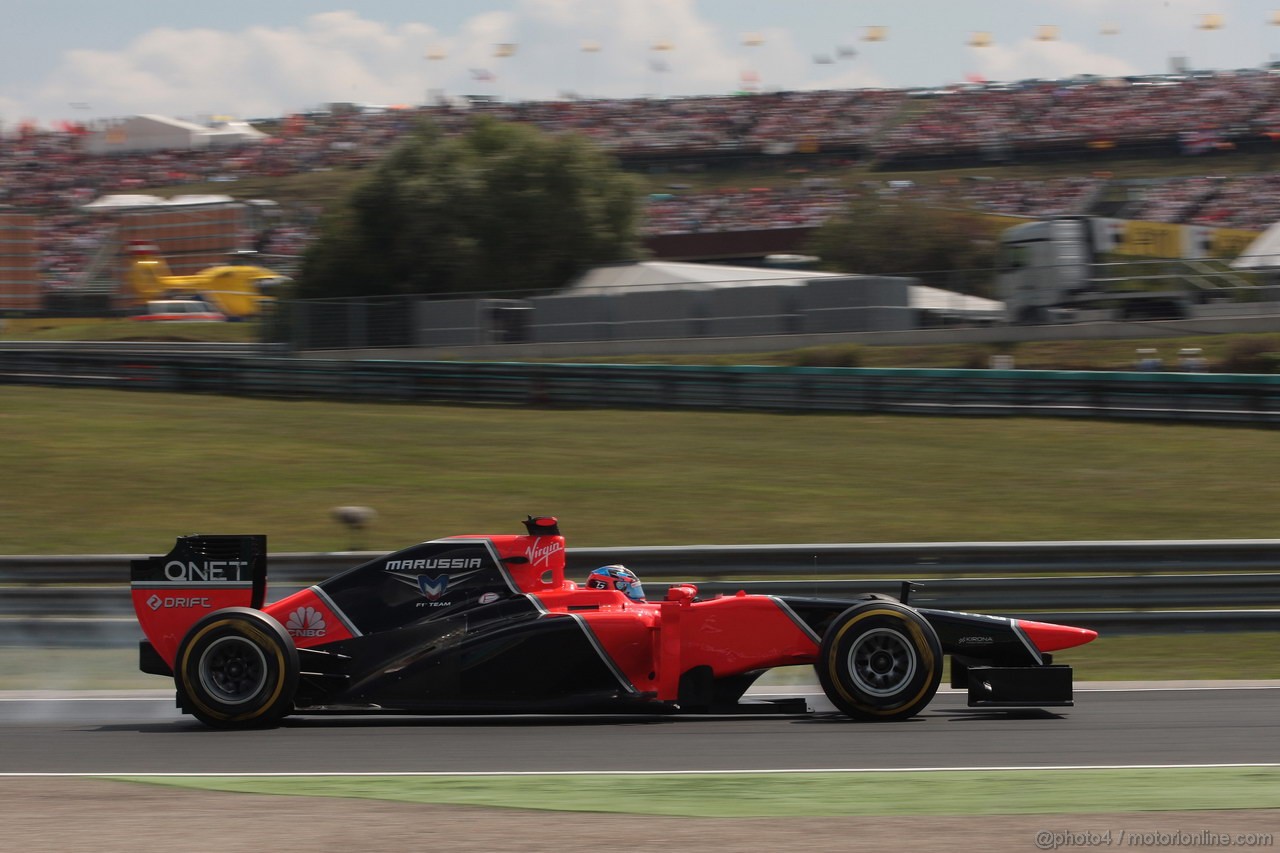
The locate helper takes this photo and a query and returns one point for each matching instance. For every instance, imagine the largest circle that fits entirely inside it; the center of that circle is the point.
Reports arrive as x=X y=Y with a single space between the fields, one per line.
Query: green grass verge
x=97 y=329
x=801 y=794
x=1175 y=657
x=42 y=668
x=1150 y=657
x=1160 y=657
x=97 y=471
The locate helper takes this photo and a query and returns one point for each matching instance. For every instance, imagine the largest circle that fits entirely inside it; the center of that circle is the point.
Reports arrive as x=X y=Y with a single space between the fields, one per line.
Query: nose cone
x=1050 y=638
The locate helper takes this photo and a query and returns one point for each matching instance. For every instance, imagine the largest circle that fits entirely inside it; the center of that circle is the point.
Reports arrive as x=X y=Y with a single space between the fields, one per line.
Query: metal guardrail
x=1222 y=398
x=702 y=562
x=1154 y=586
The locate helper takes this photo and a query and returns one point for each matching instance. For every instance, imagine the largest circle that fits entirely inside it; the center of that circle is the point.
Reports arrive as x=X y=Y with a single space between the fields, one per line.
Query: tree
x=503 y=207
x=944 y=248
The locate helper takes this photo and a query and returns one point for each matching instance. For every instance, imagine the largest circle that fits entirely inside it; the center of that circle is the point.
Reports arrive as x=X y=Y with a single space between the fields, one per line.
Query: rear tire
x=880 y=661
x=237 y=668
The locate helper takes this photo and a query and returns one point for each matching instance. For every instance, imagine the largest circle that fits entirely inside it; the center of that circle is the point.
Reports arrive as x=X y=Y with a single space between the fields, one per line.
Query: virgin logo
x=542 y=553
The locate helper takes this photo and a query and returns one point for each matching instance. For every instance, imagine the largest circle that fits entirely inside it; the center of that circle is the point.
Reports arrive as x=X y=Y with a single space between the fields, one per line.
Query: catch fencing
x=1115 y=587
x=1187 y=397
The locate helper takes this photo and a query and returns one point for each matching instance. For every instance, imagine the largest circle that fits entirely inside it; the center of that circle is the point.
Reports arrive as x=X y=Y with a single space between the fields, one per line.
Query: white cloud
x=626 y=31
x=258 y=70
x=1052 y=59
x=12 y=112
x=341 y=56
x=335 y=56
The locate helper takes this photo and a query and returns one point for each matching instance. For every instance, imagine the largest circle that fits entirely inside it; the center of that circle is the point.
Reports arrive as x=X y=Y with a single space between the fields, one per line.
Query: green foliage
x=101 y=329
x=504 y=207
x=889 y=237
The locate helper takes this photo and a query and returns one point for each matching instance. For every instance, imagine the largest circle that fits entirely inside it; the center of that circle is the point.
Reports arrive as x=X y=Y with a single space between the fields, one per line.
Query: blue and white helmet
x=616 y=577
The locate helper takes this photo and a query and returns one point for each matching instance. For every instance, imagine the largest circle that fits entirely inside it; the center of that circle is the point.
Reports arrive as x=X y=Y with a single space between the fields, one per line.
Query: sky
x=75 y=60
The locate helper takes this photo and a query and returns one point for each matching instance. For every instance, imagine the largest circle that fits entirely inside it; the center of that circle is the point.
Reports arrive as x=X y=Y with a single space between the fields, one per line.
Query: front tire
x=237 y=668
x=880 y=661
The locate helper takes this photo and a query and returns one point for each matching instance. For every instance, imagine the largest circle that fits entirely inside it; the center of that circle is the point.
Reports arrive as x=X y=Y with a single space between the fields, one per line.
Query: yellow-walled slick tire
x=880 y=661
x=237 y=668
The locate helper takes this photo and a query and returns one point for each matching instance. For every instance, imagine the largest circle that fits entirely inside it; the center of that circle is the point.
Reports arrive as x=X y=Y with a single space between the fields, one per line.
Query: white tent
x=144 y=133
x=133 y=201
x=674 y=275
x=125 y=201
x=1263 y=253
x=232 y=133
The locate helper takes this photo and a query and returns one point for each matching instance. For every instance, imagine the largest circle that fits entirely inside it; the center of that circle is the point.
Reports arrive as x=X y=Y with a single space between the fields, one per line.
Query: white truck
x=1049 y=271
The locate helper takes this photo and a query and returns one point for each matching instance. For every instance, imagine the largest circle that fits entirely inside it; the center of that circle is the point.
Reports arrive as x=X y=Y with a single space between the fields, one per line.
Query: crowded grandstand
x=810 y=136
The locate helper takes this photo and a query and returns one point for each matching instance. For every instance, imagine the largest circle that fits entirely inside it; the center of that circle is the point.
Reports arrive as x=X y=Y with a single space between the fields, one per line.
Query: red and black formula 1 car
x=490 y=624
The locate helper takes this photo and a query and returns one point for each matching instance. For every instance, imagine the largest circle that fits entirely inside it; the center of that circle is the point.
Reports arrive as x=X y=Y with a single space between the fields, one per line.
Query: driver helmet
x=616 y=577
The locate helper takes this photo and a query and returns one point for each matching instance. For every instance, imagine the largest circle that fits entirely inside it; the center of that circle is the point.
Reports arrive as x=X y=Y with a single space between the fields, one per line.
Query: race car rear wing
x=199 y=575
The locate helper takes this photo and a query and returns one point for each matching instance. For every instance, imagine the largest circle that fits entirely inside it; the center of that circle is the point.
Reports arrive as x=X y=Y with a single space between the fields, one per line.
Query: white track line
x=522 y=773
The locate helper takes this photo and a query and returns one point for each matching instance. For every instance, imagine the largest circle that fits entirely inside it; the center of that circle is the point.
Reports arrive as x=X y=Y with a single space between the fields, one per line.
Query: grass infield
x=98 y=471
x=817 y=794
x=93 y=471
x=1157 y=657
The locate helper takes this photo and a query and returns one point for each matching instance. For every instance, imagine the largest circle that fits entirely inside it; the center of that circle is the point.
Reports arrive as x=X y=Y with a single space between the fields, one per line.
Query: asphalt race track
x=1107 y=727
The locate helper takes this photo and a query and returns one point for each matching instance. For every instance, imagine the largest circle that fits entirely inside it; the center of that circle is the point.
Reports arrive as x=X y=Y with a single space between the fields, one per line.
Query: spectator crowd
x=1091 y=114
x=48 y=172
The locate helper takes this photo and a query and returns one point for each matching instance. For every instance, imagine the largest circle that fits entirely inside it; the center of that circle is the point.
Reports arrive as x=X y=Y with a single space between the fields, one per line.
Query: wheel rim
x=882 y=662
x=233 y=670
